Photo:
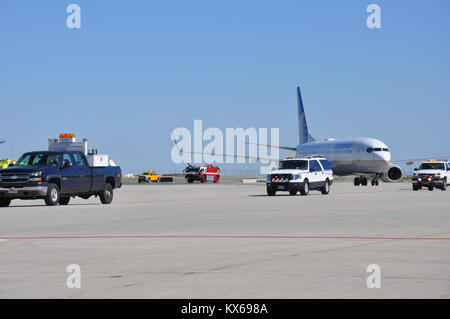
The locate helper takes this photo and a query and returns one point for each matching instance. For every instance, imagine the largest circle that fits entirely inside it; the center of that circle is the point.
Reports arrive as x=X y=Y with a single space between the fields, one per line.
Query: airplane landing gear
x=360 y=181
x=375 y=180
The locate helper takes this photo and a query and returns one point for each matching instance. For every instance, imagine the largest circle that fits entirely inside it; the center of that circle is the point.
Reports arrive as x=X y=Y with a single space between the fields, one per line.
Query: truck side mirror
x=416 y=169
x=67 y=164
x=11 y=165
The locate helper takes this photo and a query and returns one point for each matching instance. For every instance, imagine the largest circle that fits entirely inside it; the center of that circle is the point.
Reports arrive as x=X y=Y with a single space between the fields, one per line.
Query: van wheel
x=293 y=193
x=444 y=185
x=270 y=191
x=64 y=200
x=304 y=190
x=430 y=188
x=326 y=189
x=4 y=202
x=106 y=196
x=52 y=198
x=357 y=181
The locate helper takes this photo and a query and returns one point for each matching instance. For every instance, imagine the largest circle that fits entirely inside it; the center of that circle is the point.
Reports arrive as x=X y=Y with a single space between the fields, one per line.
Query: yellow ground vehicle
x=5 y=163
x=148 y=177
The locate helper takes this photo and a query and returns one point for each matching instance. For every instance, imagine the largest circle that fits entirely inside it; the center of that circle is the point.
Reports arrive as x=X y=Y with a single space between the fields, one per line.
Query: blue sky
x=138 y=69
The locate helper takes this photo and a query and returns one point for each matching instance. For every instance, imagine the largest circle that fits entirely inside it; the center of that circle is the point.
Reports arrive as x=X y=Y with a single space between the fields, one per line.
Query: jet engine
x=392 y=174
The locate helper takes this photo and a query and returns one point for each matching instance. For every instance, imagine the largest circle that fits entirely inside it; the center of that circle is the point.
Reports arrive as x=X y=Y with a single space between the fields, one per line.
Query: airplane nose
x=383 y=156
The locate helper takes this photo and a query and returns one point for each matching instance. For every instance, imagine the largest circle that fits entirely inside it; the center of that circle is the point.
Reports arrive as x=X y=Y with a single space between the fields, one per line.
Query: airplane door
x=357 y=155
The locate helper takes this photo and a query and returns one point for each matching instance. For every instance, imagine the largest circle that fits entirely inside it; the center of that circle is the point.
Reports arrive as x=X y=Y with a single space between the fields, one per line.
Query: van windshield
x=294 y=164
x=38 y=159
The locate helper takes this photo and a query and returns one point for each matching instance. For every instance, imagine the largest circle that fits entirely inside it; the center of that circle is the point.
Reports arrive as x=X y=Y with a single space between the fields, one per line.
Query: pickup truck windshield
x=301 y=165
x=439 y=166
x=38 y=159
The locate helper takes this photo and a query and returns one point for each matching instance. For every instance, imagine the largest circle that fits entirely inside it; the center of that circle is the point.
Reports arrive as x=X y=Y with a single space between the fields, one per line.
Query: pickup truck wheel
x=416 y=187
x=304 y=190
x=53 y=196
x=190 y=180
x=107 y=194
x=430 y=188
x=64 y=200
x=5 y=202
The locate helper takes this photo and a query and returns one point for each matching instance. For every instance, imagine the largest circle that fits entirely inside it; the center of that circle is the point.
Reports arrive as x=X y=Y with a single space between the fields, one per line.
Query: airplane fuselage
x=356 y=156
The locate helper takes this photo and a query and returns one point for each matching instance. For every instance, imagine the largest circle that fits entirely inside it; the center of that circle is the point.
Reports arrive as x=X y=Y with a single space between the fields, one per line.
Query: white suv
x=301 y=174
x=432 y=174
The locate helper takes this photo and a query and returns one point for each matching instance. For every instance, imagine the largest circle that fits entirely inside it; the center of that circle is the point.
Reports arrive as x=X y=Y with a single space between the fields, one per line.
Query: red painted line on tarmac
x=220 y=237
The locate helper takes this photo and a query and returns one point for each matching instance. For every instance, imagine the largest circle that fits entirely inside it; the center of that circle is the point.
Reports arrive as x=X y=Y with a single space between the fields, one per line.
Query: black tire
x=4 y=202
x=270 y=191
x=357 y=181
x=64 y=201
x=304 y=189
x=430 y=188
x=53 y=196
x=326 y=189
x=293 y=193
x=364 y=181
x=444 y=185
x=107 y=195
x=416 y=187
x=190 y=180
x=372 y=182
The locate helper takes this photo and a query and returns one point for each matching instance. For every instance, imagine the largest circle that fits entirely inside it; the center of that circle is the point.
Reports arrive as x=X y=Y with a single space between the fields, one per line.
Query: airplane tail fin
x=303 y=132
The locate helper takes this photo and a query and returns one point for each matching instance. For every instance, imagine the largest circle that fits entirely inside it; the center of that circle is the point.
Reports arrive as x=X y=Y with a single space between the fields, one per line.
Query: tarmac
x=230 y=241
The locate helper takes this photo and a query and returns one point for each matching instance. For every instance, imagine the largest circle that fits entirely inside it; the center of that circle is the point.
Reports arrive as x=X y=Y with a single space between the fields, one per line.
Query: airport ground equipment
x=301 y=174
x=148 y=177
x=67 y=142
x=432 y=174
x=5 y=163
x=60 y=173
x=166 y=179
x=204 y=173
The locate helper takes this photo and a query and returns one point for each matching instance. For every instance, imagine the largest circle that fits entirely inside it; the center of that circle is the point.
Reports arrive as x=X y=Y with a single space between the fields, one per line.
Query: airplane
x=348 y=157
x=2 y=141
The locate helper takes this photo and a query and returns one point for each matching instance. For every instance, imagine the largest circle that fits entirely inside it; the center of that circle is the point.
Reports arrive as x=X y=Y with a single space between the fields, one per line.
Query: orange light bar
x=66 y=135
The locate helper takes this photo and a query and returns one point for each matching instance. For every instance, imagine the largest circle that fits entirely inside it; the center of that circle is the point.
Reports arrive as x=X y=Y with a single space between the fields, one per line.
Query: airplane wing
x=273 y=146
x=251 y=158
x=412 y=161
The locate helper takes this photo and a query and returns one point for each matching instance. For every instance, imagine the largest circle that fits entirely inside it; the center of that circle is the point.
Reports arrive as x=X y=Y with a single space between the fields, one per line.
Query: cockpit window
x=377 y=149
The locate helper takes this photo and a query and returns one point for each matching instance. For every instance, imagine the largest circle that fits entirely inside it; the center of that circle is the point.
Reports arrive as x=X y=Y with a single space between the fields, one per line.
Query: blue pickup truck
x=55 y=177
